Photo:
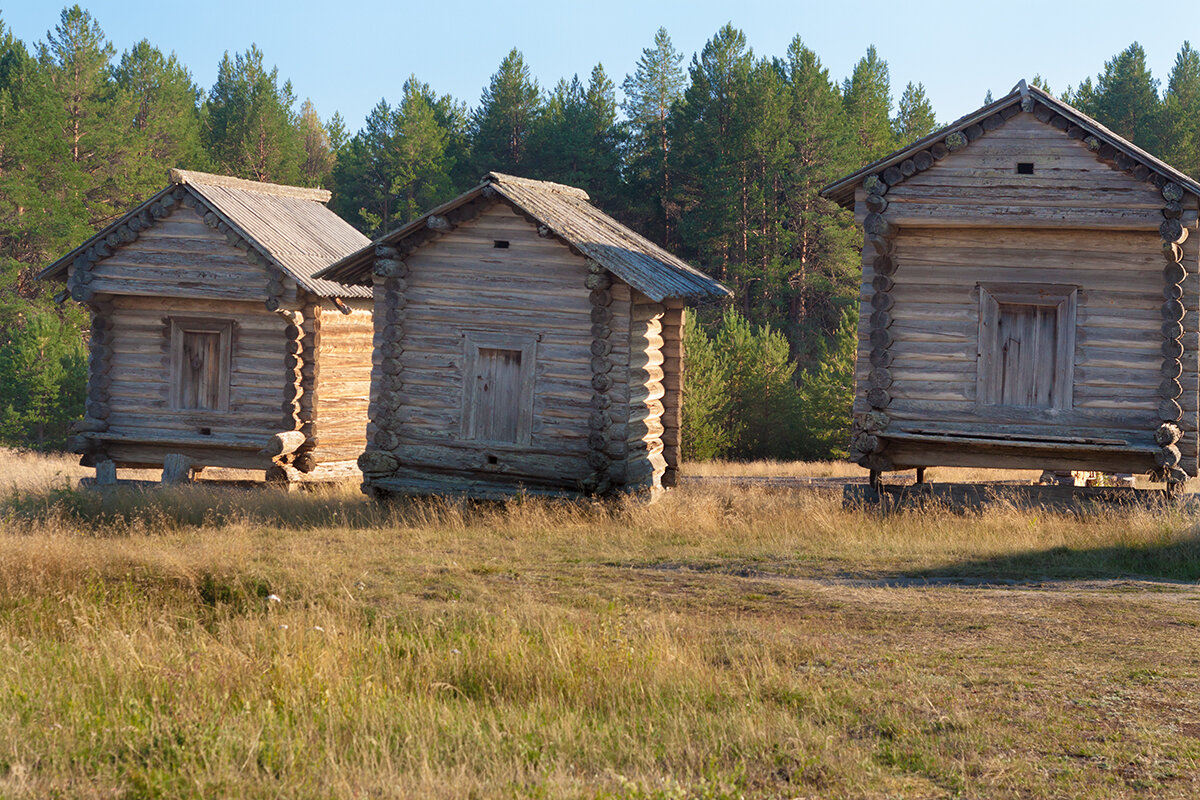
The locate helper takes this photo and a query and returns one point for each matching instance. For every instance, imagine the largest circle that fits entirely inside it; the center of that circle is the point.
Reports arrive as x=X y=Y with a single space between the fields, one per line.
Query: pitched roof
x=568 y=215
x=288 y=225
x=842 y=191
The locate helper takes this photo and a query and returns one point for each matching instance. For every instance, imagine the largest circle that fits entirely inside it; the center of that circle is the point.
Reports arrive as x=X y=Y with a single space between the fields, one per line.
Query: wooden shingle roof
x=289 y=226
x=1074 y=122
x=567 y=214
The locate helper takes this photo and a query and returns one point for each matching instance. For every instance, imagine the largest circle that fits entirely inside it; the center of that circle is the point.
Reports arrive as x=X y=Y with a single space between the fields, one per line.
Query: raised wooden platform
x=978 y=496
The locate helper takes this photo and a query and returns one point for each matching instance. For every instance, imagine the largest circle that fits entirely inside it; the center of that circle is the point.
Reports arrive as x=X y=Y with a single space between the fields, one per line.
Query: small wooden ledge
x=182 y=439
x=1018 y=440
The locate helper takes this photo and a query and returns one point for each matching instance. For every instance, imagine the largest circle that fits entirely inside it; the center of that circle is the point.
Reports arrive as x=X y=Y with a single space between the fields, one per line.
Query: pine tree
x=827 y=393
x=1040 y=83
x=915 y=117
x=166 y=118
x=711 y=152
x=317 y=166
x=706 y=403
x=421 y=176
x=252 y=128
x=43 y=370
x=763 y=403
x=822 y=259
x=364 y=173
x=867 y=96
x=1126 y=98
x=651 y=93
x=575 y=139
x=1180 y=119
x=988 y=99
x=507 y=113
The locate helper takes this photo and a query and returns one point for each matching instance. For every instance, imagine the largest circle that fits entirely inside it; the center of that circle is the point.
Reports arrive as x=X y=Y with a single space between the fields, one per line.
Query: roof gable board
x=285 y=228
x=1025 y=173
x=180 y=256
x=962 y=133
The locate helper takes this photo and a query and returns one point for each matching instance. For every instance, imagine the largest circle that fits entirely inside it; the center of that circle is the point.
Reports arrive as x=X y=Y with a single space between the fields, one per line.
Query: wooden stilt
x=920 y=474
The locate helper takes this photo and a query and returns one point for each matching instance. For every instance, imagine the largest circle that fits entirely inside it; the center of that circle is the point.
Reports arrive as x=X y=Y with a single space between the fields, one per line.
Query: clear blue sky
x=345 y=56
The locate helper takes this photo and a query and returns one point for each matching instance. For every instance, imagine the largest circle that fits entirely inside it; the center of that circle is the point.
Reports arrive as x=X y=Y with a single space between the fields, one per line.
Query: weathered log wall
x=140 y=374
x=461 y=282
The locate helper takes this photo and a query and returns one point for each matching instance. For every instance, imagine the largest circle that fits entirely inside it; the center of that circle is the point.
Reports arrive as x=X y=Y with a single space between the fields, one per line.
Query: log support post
x=177 y=469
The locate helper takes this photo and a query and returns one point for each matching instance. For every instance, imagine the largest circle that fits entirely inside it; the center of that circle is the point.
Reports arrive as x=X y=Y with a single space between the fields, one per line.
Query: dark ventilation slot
x=500 y=244
x=1025 y=168
x=206 y=431
x=492 y=460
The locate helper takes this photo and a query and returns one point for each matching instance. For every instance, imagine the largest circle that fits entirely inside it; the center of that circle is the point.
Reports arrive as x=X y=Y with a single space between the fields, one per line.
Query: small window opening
x=206 y=431
x=500 y=244
x=1025 y=168
x=491 y=459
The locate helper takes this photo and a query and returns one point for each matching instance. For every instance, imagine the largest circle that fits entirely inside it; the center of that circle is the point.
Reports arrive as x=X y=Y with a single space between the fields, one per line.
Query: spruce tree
x=915 y=117
x=651 y=93
x=1126 y=98
x=508 y=111
x=867 y=96
x=1180 y=116
x=421 y=176
x=251 y=126
x=575 y=139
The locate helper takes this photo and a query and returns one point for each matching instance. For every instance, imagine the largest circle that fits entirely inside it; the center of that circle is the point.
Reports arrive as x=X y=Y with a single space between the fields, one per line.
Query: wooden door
x=200 y=373
x=497 y=395
x=1027 y=354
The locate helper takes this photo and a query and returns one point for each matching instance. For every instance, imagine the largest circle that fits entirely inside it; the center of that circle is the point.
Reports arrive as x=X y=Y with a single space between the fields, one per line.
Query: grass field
x=720 y=643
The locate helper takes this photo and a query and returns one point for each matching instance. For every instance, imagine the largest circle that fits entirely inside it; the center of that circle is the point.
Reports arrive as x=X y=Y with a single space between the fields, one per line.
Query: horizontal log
x=284 y=443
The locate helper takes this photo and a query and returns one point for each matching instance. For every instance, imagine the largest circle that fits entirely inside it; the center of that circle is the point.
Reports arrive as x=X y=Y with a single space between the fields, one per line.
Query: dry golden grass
x=845 y=469
x=719 y=643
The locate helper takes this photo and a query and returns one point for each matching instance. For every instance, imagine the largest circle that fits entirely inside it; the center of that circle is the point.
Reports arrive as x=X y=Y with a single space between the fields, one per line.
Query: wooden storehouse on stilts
x=524 y=342
x=1029 y=298
x=212 y=343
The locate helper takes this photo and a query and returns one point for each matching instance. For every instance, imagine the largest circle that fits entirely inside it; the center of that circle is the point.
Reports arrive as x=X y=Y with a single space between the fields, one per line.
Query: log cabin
x=524 y=342
x=1029 y=299
x=212 y=341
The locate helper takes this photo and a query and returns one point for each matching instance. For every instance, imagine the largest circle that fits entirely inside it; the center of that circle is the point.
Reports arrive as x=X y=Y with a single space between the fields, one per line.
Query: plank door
x=1027 y=340
x=200 y=362
x=497 y=395
x=200 y=381
x=1026 y=345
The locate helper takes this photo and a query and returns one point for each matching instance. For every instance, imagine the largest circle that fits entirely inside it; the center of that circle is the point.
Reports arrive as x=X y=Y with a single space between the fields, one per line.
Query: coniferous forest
x=718 y=156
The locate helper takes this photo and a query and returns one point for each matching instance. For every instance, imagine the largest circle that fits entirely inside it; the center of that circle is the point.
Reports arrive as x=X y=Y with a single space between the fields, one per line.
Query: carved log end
x=1169 y=411
x=1167 y=434
x=1172 y=191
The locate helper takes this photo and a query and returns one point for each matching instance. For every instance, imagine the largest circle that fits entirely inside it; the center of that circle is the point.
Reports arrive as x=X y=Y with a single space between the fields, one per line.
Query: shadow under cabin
x=525 y=342
x=1029 y=299
x=213 y=344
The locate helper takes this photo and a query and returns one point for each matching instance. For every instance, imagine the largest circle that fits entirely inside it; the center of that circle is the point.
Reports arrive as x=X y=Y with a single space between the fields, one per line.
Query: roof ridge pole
x=1026 y=99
